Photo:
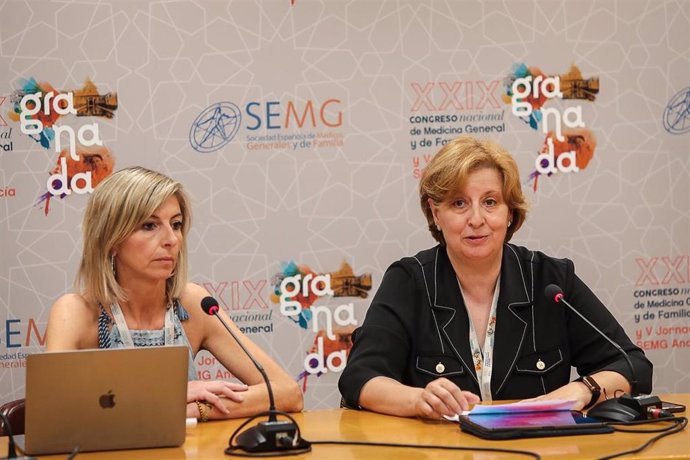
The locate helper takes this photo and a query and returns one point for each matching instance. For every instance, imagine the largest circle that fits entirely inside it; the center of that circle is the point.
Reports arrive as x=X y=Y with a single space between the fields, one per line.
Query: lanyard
x=169 y=328
x=483 y=359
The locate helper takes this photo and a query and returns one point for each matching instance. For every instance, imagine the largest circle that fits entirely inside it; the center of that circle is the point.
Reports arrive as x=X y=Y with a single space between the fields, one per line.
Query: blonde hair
x=116 y=208
x=449 y=169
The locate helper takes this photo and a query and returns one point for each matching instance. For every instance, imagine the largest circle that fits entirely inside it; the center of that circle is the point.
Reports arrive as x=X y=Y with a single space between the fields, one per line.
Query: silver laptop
x=105 y=399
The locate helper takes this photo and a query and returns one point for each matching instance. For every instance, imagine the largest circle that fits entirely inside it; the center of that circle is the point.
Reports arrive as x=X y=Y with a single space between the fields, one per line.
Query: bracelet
x=203 y=407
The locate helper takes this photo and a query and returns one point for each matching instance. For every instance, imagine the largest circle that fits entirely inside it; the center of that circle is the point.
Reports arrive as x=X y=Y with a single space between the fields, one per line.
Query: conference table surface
x=208 y=440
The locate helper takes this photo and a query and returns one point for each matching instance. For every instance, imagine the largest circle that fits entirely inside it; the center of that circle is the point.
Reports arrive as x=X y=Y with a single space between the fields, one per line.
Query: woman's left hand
x=213 y=391
x=573 y=391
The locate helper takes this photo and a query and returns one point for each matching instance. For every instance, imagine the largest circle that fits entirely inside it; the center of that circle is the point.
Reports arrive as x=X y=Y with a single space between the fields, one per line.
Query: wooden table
x=207 y=440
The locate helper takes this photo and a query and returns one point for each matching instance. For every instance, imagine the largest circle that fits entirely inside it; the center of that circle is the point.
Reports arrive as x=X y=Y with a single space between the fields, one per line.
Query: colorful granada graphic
x=568 y=145
x=85 y=161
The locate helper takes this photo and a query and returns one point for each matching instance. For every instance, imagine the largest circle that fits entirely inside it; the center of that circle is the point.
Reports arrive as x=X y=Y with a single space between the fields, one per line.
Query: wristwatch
x=593 y=386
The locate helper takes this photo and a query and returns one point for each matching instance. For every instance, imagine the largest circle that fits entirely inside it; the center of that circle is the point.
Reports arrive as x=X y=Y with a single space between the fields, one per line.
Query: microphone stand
x=266 y=439
x=647 y=406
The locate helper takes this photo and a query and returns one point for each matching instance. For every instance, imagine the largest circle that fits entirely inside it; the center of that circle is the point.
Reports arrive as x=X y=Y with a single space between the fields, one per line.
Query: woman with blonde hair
x=133 y=292
x=468 y=320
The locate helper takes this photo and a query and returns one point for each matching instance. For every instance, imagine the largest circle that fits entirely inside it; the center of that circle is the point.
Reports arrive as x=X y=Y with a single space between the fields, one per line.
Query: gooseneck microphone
x=555 y=293
x=274 y=437
x=643 y=406
x=210 y=306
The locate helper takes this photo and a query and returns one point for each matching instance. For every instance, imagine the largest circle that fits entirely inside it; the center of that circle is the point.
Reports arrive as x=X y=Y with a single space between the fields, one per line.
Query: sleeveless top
x=109 y=335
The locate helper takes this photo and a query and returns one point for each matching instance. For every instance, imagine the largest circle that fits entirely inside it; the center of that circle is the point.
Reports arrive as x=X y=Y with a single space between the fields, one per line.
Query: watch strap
x=592 y=386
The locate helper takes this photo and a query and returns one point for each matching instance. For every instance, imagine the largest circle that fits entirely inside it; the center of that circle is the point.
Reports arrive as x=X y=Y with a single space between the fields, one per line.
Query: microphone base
x=627 y=408
x=271 y=438
x=646 y=405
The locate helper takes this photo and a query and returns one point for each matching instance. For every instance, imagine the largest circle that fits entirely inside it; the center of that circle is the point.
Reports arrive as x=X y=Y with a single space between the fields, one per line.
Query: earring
x=112 y=264
x=510 y=222
x=438 y=227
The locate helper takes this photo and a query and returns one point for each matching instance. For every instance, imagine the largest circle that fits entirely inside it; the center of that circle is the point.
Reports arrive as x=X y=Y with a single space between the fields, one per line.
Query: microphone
x=643 y=406
x=274 y=437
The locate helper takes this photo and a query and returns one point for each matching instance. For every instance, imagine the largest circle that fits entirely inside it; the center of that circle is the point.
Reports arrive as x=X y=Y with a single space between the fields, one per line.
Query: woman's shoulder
x=72 y=323
x=75 y=309
x=196 y=323
x=422 y=258
x=74 y=304
x=538 y=259
x=412 y=268
x=191 y=297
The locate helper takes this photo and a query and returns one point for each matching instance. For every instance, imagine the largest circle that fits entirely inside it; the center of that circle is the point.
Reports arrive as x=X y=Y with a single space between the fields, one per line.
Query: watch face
x=591 y=384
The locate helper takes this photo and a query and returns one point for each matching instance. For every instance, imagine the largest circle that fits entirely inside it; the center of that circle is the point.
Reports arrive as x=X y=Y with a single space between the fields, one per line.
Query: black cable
x=616 y=425
x=231 y=452
x=232 y=449
x=11 y=450
x=679 y=423
x=432 y=446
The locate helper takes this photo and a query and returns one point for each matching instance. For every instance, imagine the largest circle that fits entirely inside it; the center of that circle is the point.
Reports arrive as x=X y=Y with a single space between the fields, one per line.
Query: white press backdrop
x=300 y=127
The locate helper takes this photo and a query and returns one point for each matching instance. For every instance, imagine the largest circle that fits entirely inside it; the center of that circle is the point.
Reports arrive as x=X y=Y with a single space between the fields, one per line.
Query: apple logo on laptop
x=107 y=401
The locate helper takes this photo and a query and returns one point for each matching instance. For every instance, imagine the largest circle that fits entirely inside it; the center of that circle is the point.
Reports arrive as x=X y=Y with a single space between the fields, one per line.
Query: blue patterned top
x=109 y=335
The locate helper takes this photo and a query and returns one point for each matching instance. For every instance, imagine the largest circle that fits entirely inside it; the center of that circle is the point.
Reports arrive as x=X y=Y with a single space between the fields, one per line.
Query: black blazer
x=417 y=330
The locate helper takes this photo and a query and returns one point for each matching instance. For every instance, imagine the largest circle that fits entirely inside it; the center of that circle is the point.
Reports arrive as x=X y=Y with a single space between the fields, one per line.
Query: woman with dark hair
x=468 y=320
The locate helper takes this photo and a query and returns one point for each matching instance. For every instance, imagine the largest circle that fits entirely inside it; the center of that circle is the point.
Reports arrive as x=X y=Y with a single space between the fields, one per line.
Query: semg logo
x=272 y=114
x=18 y=333
x=219 y=123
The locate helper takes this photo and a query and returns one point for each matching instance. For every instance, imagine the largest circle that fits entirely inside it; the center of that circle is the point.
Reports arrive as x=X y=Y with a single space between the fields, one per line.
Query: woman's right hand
x=213 y=391
x=442 y=397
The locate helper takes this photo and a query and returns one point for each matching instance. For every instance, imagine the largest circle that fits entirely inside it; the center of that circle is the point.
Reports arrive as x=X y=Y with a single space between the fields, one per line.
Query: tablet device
x=531 y=424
